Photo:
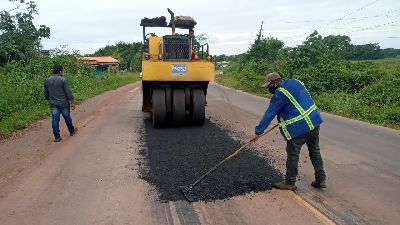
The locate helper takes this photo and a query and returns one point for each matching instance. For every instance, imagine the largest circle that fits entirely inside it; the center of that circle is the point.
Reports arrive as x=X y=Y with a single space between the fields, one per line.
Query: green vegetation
x=390 y=65
x=21 y=88
x=365 y=90
x=24 y=66
x=391 y=53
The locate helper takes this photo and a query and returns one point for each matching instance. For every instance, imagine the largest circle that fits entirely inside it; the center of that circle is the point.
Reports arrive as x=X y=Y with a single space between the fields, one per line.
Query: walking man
x=299 y=122
x=59 y=95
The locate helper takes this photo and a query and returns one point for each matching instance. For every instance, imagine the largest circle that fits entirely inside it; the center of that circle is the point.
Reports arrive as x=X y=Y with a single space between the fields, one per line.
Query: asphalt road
x=101 y=175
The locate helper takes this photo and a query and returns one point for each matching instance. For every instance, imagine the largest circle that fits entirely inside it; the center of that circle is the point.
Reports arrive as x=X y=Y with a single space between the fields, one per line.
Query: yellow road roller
x=175 y=73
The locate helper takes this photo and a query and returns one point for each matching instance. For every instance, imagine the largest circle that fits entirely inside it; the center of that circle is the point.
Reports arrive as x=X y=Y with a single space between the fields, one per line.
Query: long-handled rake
x=187 y=189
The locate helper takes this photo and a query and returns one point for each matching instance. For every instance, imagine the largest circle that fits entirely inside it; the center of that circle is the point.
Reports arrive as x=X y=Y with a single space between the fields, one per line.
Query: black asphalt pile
x=184 y=21
x=175 y=157
x=157 y=20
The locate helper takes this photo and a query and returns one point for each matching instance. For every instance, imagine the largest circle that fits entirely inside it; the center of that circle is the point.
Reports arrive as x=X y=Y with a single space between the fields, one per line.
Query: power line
x=385 y=14
x=348 y=14
x=373 y=27
x=353 y=19
x=340 y=18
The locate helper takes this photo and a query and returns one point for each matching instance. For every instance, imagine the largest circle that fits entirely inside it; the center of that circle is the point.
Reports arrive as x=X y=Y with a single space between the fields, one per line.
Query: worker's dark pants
x=293 y=150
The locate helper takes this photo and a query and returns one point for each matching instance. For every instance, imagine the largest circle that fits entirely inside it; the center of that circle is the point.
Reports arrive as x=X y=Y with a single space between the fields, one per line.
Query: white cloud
x=231 y=26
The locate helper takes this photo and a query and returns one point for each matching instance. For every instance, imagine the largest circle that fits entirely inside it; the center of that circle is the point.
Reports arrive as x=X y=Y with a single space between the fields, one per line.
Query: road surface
x=96 y=177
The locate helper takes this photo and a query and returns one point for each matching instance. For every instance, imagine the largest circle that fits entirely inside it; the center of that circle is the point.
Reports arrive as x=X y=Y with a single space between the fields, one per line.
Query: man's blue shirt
x=281 y=106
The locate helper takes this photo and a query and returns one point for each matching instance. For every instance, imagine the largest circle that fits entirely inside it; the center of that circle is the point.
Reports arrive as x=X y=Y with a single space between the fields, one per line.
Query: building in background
x=102 y=63
x=223 y=64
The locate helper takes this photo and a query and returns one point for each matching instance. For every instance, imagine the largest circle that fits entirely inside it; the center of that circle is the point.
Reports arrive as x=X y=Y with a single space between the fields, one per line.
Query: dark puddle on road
x=175 y=157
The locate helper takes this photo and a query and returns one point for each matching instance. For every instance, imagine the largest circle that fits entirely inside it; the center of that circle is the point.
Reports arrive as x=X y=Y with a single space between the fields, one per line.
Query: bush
x=392 y=116
x=338 y=102
x=384 y=92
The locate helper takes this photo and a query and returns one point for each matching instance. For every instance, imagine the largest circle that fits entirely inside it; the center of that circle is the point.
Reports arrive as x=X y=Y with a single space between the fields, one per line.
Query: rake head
x=186 y=192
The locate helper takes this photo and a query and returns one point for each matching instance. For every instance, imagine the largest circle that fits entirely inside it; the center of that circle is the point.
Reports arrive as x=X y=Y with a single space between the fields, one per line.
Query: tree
x=339 y=42
x=265 y=49
x=19 y=38
x=391 y=53
x=364 y=52
x=200 y=40
x=315 y=50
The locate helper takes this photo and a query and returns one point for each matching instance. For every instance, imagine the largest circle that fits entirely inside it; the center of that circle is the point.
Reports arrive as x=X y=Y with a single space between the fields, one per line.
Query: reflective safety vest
x=295 y=109
x=303 y=114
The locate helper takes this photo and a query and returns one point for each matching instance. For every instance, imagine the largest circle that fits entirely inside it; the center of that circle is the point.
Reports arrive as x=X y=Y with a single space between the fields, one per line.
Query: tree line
x=343 y=44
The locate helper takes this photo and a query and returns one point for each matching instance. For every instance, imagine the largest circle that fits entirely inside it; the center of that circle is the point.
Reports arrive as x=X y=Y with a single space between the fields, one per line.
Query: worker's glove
x=254 y=138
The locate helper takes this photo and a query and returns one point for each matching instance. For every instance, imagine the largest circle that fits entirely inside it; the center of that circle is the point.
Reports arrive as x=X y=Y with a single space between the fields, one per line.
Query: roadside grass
x=25 y=103
x=389 y=65
x=236 y=81
x=352 y=106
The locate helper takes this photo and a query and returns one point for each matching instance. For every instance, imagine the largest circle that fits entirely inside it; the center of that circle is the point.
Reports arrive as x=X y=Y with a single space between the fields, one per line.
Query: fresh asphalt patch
x=177 y=156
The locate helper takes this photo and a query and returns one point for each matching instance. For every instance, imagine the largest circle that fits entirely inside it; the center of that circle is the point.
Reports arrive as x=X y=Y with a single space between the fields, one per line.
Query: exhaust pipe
x=172 y=21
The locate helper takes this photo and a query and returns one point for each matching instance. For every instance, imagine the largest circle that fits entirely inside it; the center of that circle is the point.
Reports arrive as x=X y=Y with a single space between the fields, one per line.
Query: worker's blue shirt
x=281 y=106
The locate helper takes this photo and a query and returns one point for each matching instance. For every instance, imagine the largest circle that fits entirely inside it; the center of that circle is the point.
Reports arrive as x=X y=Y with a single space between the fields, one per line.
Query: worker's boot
x=57 y=139
x=318 y=184
x=284 y=185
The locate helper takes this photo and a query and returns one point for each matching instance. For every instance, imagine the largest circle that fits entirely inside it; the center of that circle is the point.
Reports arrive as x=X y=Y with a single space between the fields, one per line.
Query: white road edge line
x=174 y=214
x=324 y=219
x=136 y=88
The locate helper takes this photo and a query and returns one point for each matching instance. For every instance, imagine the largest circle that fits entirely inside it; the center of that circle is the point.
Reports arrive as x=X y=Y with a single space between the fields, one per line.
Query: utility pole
x=259 y=33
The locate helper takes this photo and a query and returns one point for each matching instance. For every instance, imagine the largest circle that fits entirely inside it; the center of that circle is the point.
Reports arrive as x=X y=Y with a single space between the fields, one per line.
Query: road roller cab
x=175 y=73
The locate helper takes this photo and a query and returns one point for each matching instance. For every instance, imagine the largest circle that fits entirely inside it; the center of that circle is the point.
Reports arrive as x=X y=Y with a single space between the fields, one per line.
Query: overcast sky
x=231 y=26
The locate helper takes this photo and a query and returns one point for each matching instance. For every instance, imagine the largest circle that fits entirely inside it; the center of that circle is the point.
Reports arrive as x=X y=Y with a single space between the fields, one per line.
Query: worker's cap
x=271 y=77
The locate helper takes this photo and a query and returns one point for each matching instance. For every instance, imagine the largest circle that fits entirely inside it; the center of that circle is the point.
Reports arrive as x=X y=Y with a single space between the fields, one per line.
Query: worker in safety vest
x=299 y=121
